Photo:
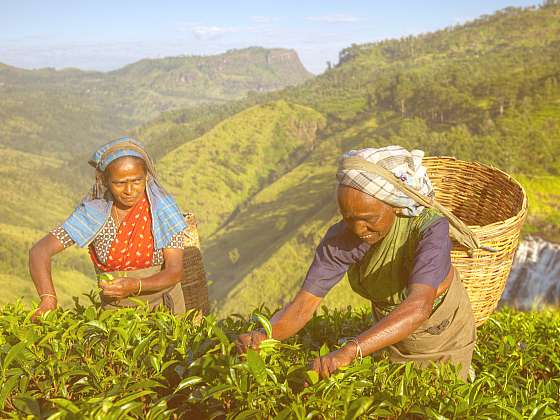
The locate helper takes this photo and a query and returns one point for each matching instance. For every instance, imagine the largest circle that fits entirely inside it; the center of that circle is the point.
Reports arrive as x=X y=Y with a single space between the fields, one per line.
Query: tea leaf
x=7 y=387
x=133 y=397
x=358 y=407
x=66 y=404
x=256 y=366
x=265 y=323
x=312 y=377
x=192 y=380
x=14 y=353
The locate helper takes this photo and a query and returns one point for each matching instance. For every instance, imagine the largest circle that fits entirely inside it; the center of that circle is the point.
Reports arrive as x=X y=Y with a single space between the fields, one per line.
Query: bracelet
x=139 y=287
x=359 y=353
x=251 y=343
x=47 y=294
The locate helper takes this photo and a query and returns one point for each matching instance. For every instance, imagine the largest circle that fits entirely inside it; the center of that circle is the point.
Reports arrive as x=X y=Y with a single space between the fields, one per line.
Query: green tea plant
x=134 y=363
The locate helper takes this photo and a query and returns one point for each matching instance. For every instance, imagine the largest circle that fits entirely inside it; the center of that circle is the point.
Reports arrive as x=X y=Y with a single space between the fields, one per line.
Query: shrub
x=133 y=363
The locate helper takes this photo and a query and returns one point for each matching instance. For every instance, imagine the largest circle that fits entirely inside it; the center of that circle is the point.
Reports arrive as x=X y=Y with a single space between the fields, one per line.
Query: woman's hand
x=120 y=288
x=48 y=303
x=325 y=366
x=250 y=340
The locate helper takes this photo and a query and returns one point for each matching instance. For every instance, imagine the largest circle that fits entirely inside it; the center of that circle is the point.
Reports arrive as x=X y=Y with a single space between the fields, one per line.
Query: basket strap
x=457 y=228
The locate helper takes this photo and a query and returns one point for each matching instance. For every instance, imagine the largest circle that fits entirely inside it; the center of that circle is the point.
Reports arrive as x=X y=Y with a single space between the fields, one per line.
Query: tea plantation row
x=89 y=363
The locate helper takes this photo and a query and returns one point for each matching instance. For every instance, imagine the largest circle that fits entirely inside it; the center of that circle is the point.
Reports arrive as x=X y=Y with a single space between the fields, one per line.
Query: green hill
x=66 y=112
x=442 y=97
x=31 y=197
x=274 y=236
x=216 y=173
x=178 y=81
x=72 y=271
x=259 y=172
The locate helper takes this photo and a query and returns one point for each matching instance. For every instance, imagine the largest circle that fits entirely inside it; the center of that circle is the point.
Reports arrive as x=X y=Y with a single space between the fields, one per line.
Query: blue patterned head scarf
x=111 y=151
x=95 y=209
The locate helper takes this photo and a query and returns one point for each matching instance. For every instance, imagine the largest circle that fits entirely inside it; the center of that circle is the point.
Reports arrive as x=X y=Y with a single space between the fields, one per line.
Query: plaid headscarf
x=405 y=165
x=95 y=209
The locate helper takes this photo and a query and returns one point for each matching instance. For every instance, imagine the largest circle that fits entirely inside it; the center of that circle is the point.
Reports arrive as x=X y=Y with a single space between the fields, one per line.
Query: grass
x=544 y=205
x=219 y=171
x=72 y=271
x=276 y=233
x=29 y=196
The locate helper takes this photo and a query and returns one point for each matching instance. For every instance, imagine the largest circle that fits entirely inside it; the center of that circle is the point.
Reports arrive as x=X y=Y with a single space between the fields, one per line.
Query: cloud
x=211 y=32
x=334 y=18
x=263 y=19
x=203 y=32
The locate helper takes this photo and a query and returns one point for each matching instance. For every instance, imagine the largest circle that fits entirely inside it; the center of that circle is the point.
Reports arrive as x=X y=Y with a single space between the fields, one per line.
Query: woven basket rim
x=520 y=215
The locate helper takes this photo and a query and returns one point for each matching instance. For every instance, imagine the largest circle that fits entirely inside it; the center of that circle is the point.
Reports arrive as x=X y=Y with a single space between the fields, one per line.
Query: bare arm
x=395 y=327
x=169 y=276
x=293 y=317
x=400 y=323
x=40 y=256
x=286 y=322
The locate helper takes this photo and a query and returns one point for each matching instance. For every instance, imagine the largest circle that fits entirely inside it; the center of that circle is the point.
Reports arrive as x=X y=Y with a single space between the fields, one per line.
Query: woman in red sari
x=132 y=227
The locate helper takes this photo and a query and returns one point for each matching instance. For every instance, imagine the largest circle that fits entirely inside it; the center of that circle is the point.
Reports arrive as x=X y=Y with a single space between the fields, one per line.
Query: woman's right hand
x=250 y=340
x=48 y=303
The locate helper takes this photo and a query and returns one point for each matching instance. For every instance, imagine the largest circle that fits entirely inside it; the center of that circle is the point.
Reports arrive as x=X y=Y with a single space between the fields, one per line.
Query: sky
x=106 y=35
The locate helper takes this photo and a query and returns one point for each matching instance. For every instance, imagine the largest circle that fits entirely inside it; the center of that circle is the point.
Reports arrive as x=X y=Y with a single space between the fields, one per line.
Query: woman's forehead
x=358 y=202
x=126 y=165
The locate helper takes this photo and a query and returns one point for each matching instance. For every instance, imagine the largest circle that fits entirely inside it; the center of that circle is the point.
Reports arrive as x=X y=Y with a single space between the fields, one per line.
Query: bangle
x=139 y=287
x=359 y=353
x=251 y=335
x=47 y=294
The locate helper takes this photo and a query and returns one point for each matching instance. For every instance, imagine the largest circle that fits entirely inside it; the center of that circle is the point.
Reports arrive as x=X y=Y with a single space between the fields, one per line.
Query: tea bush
x=132 y=363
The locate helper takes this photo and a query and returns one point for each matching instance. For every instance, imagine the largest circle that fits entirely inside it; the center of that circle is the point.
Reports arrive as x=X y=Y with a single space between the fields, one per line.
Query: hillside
x=214 y=174
x=64 y=112
x=259 y=173
x=462 y=92
x=73 y=274
x=193 y=80
x=31 y=196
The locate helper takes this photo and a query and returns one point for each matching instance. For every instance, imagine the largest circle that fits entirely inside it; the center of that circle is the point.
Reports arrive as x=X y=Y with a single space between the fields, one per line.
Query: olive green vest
x=382 y=275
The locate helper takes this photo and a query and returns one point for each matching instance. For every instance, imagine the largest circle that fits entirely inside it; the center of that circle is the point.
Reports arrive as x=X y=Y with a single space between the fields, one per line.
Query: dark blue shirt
x=340 y=248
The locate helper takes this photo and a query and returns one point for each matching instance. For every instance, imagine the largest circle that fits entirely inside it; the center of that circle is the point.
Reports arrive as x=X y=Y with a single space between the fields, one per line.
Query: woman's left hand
x=120 y=288
x=325 y=366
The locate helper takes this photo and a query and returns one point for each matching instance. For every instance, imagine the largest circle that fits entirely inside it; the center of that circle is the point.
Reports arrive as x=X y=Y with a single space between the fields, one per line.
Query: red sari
x=133 y=246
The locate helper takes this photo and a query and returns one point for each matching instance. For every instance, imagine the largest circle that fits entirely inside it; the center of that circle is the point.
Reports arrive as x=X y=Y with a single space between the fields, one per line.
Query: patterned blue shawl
x=95 y=209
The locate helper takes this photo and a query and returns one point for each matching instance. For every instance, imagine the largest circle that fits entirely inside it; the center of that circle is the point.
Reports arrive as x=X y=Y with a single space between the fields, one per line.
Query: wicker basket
x=194 y=283
x=494 y=206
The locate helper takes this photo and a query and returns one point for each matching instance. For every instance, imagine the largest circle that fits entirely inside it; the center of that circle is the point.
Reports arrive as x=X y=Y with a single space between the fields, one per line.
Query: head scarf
x=94 y=210
x=405 y=165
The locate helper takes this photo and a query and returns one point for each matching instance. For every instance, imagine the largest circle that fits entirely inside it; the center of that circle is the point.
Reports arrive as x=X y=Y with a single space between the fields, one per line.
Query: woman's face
x=368 y=218
x=126 y=179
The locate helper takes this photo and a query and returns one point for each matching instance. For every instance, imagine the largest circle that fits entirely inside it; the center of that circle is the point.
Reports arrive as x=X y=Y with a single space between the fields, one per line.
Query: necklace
x=116 y=216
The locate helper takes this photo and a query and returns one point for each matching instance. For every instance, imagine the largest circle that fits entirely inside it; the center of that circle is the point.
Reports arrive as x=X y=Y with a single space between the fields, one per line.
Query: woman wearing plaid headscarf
x=396 y=253
x=132 y=227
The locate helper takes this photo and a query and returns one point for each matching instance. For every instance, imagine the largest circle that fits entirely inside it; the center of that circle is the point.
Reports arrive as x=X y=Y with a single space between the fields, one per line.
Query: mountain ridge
x=109 y=103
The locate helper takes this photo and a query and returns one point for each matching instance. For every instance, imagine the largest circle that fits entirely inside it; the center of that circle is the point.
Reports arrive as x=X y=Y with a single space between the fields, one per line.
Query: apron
x=449 y=335
x=382 y=277
x=171 y=297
